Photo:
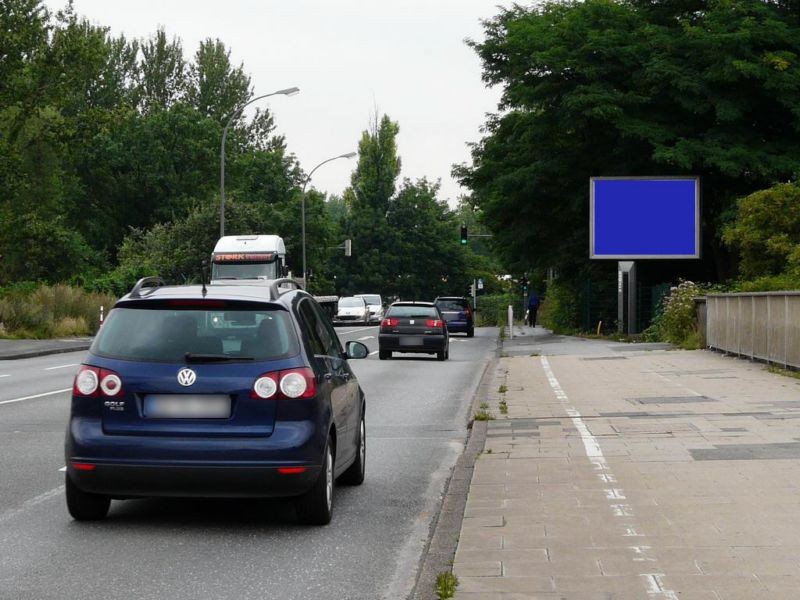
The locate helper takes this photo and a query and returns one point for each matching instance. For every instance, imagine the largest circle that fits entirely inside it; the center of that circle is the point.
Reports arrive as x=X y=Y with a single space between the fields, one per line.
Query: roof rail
x=146 y=282
x=274 y=287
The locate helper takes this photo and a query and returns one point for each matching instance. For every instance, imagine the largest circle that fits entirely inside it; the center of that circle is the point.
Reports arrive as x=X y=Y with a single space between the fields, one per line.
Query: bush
x=559 y=310
x=50 y=311
x=677 y=321
x=493 y=310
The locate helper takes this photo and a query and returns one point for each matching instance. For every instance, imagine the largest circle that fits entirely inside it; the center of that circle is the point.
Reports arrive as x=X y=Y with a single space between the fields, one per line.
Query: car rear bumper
x=171 y=480
x=459 y=326
x=149 y=465
x=400 y=343
x=341 y=320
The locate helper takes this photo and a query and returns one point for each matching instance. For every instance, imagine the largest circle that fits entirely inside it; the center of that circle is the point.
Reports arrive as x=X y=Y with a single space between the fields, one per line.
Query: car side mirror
x=356 y=350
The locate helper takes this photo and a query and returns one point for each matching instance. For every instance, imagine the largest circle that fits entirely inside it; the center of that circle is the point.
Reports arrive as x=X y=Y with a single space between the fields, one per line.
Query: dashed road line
x=653 y=582
x=366 y=337
x=28 y=504
x=35 y=396
x=1 y=376
x=61 y=367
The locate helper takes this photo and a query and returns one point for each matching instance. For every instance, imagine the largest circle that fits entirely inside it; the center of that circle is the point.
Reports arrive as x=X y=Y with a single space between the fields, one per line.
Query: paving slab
x=637 y=472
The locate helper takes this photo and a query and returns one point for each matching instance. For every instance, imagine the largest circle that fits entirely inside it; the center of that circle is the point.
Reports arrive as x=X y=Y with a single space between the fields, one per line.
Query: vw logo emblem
x=186 y=377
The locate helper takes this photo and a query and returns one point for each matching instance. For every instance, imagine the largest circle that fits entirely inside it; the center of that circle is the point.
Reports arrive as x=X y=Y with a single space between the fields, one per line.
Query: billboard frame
x=697 y=240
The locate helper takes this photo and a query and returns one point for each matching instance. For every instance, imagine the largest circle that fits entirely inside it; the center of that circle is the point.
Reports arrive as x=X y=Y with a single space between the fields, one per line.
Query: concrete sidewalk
x=633 y=472
x=16 y=349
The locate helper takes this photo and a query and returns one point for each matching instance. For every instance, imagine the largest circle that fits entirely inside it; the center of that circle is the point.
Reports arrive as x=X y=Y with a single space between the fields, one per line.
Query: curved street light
x=233 y=116
x=303 y=204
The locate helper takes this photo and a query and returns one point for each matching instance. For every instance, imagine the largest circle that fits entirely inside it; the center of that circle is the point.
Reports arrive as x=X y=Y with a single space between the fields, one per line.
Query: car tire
x=441 y=355
x=384 y=354
x=354 y=475
x=471 y=332
x=84 y=506
x=315 y=507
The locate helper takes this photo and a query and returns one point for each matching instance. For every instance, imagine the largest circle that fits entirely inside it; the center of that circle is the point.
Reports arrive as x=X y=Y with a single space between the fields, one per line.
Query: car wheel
x=354 y=475
x=84 y=506
x=315 y=507
x=471 y=332
x=384 y=354
x=441 y=355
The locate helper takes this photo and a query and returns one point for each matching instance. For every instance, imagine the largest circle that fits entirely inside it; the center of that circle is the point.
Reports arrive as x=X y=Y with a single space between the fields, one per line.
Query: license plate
x=187 y=406
x=411 y=341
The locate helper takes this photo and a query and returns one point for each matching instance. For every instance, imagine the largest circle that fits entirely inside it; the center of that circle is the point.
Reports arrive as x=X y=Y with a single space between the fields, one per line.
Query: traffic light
x=464 y=238
x=524 y=283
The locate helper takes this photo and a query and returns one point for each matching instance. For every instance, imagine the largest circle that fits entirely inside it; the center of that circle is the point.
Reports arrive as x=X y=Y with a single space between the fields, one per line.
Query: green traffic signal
x=464 y=238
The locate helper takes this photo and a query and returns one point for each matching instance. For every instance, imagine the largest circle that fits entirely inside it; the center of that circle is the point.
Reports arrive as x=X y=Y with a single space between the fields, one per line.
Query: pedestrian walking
x=533 y=307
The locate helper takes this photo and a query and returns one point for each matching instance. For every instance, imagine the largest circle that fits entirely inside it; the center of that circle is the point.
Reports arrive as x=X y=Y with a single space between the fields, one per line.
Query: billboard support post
x=626 y=297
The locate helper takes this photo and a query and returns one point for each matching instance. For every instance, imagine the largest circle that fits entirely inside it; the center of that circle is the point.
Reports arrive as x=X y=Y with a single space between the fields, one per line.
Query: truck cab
x=248 y=258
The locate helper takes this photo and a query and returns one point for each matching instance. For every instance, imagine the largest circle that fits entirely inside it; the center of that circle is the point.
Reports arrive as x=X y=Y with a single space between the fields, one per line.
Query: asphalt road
x=417 y=410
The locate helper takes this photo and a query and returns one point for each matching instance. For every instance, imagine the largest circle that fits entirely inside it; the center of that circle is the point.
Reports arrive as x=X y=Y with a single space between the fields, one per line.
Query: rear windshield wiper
x=192 y=357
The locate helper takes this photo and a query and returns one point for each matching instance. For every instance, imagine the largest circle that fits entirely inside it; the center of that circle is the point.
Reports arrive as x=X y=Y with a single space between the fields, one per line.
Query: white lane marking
x=655 y=587
x=62 y=470
x=28 y=504
x=373 y=353
x=1 y=376
x=366 y=337
x=36 y=396
x=357 y=330
x=61 y=367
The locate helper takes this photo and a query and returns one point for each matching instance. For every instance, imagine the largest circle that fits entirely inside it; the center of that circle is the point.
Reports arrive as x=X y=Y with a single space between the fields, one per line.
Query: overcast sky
x=405 y=57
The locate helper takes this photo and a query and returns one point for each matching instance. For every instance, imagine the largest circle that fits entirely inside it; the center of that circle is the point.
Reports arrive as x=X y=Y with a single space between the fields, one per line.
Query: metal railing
x=761 y=325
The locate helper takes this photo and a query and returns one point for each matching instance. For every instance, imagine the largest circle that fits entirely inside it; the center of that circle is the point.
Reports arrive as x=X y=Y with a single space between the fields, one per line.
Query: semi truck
x=251 y=259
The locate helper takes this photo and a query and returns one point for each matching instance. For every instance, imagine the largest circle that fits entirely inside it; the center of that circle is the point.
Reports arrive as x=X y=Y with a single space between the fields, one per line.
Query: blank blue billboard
x=635 y=217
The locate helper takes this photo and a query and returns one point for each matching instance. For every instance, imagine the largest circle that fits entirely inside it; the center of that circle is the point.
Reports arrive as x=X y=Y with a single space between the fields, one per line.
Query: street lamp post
x=303 y=205
x=233 y=116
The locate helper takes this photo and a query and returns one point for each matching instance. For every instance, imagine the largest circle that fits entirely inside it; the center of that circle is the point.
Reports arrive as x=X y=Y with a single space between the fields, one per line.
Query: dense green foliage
x=766 y=231
x=109 y=164
x=613 y=87
x=559 y=311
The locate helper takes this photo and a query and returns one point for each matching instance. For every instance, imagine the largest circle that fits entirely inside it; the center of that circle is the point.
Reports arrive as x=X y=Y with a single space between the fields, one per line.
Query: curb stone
x=440 y=552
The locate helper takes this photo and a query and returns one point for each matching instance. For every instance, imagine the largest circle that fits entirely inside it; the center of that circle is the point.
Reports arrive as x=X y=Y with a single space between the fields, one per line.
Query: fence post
x=510 y=322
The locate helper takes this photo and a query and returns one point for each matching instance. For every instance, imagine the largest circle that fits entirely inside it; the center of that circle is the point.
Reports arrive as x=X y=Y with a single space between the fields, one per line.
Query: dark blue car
x=224 y=391
x=457 y=313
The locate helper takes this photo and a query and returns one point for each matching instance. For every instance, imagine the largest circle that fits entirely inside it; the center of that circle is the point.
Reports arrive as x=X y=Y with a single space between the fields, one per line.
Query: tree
x=216 y=88
x=371 y=189
x=604 y=87
x=430 y=261
x=766 y=231
x=163 y=78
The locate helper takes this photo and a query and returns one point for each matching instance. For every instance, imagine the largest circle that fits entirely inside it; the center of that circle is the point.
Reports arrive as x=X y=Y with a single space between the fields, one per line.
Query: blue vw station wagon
x=218 y=391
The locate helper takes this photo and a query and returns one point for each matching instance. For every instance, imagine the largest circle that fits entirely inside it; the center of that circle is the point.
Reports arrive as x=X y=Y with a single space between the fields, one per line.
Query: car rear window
x=168 y=335
x=413 y=311
x=371 y=298
x=451 y=304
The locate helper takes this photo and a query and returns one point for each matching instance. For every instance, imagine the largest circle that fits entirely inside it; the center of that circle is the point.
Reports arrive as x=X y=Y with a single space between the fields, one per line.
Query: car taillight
x=91 y=381
x=290 y=384
x=434 y=323
x=388 y=323
x=467 y=312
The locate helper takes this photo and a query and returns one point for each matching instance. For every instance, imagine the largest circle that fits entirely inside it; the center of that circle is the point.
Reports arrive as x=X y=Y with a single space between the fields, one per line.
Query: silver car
x=375 y=305
x=352 y=310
